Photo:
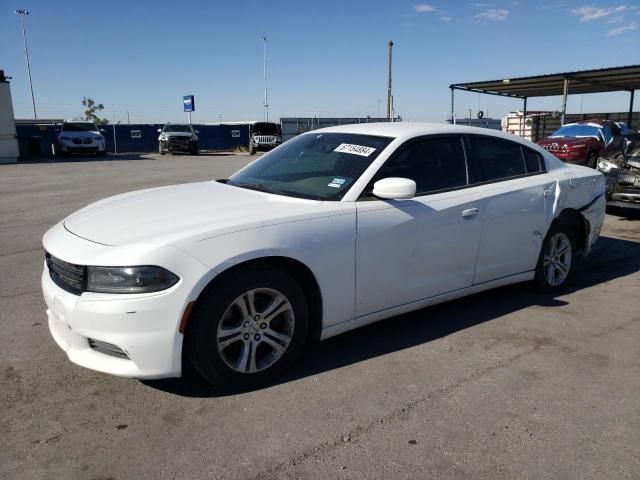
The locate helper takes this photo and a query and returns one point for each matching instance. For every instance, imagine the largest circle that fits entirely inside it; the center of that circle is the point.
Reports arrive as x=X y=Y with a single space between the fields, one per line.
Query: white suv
x=78 y=136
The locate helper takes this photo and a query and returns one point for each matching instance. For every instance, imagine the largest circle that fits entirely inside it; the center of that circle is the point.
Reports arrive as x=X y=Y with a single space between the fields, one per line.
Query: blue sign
x=189 y=103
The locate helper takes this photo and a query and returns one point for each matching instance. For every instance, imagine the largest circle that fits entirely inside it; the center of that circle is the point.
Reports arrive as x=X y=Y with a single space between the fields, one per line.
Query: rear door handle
x=470 y=212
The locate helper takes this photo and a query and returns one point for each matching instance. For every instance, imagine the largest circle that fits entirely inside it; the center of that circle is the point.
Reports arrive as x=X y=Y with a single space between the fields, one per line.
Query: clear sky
x=327 y=57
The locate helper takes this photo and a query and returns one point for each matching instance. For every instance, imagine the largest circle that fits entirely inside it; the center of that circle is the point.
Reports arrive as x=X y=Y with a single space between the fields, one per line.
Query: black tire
x=592 y=160
x=541 y=280
x=252 y=150
x=200 y=341
x=194 y=149
x=161 y=150
x=102 y=153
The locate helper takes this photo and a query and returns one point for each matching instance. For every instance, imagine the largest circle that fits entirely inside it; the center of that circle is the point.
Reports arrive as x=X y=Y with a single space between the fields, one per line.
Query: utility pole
x=22 y=14
x=264 y=67
x=389 y=81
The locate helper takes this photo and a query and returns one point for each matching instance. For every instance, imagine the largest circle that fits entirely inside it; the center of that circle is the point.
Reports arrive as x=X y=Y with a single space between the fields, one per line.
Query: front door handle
x=470 y=212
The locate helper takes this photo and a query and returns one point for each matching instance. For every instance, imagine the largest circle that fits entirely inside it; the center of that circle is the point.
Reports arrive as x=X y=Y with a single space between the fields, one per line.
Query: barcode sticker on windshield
x=355 y=149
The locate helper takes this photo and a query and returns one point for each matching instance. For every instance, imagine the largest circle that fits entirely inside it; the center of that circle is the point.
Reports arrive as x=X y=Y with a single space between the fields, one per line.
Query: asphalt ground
x=502 y=384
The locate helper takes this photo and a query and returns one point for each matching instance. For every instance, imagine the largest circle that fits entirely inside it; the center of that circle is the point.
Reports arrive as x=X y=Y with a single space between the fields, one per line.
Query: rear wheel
x=557 y=259
x=248 y=329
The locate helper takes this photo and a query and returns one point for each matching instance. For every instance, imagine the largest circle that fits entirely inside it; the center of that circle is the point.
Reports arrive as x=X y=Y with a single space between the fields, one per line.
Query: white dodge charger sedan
x=333 y=230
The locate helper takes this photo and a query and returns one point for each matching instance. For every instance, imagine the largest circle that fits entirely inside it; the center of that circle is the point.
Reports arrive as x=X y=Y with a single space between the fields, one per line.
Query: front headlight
x=64 y=138
x=142 y=279
x=194 y=138
x=606 y=166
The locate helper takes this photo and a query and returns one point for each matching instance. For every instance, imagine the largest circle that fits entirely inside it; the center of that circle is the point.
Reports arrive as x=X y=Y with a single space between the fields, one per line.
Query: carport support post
x=629 y=118
x=524 y=118
x=565 y=93
x=453 y=120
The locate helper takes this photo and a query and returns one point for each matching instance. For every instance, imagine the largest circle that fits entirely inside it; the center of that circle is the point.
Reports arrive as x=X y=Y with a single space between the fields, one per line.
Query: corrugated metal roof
x=600 y=80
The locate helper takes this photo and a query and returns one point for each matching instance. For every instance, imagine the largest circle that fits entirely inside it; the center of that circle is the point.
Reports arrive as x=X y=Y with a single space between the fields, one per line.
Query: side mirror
x=395 y=188
x=159 y=130
x=102 y=130
x=197 y=131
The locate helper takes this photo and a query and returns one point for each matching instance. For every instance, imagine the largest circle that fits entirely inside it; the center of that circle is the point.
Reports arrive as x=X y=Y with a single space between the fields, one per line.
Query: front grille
x=77 y=141
x=554 y=147
x=107 y=349
x=87 y=141
x=66 y=275
x=178 y=142
x=264 y=139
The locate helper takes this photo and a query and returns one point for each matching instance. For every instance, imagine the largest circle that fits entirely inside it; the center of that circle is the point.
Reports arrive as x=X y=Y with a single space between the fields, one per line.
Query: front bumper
x=69 y=147
x=178 y=144
x=623 y=188
x=579 y=158
x=144 y=327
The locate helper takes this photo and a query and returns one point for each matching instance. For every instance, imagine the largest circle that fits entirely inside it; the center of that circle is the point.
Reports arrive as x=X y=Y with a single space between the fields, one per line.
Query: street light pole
x=22 y=14
x=389 y=106
x=264 y=66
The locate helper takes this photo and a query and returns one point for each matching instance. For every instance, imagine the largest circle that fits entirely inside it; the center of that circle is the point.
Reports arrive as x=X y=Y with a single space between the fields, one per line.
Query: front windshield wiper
x=259 y=188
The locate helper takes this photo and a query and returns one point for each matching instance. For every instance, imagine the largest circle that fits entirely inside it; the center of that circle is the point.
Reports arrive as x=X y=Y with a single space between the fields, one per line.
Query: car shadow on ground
x=612 y=258
x=625 y=213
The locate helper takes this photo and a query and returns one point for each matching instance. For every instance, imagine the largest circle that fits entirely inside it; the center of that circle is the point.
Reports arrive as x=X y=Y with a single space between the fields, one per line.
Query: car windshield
x=178 y=128
x=79 y=127
x=317 y=166
x=577 y=130
x=265 y=128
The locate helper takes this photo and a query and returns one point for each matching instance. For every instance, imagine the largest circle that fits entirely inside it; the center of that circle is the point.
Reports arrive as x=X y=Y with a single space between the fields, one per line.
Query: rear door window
x=495 y=159
x=433 y=163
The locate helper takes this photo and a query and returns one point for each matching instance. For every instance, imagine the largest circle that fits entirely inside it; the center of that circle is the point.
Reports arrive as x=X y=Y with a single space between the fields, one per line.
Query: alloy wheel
x=255 y=330
x=557 y=259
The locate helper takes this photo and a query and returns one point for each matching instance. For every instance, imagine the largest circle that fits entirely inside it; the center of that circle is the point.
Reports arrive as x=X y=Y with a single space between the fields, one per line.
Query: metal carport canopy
x=601 y=80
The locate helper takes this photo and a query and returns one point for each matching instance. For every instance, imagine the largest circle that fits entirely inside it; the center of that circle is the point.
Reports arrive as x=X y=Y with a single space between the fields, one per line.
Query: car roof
x=78 y=121
x=600 y=122
x=407 y=130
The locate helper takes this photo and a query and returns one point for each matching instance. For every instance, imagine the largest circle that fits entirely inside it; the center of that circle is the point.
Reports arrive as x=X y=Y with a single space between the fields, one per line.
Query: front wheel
x=252 y=150
x=557 y=259
x=161 y=150
x=249 y=329
x=592 y=160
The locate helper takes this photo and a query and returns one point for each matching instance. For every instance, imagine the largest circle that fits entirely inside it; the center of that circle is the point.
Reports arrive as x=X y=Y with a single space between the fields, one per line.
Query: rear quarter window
x=533 y=160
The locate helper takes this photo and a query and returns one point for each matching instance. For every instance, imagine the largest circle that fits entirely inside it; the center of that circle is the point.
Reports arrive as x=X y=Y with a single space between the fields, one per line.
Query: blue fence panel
x=36 y=140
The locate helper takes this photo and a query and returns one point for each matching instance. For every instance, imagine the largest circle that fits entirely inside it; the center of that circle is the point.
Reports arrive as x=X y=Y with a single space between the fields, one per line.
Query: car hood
x=170 y=214
x=177 y=134
x=80 y=134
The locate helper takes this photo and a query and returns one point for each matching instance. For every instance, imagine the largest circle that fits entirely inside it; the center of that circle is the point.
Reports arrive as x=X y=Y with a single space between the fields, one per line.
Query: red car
x=583 y=142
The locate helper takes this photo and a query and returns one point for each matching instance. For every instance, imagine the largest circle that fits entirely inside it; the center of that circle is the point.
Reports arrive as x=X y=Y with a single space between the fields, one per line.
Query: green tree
x=91 y=107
